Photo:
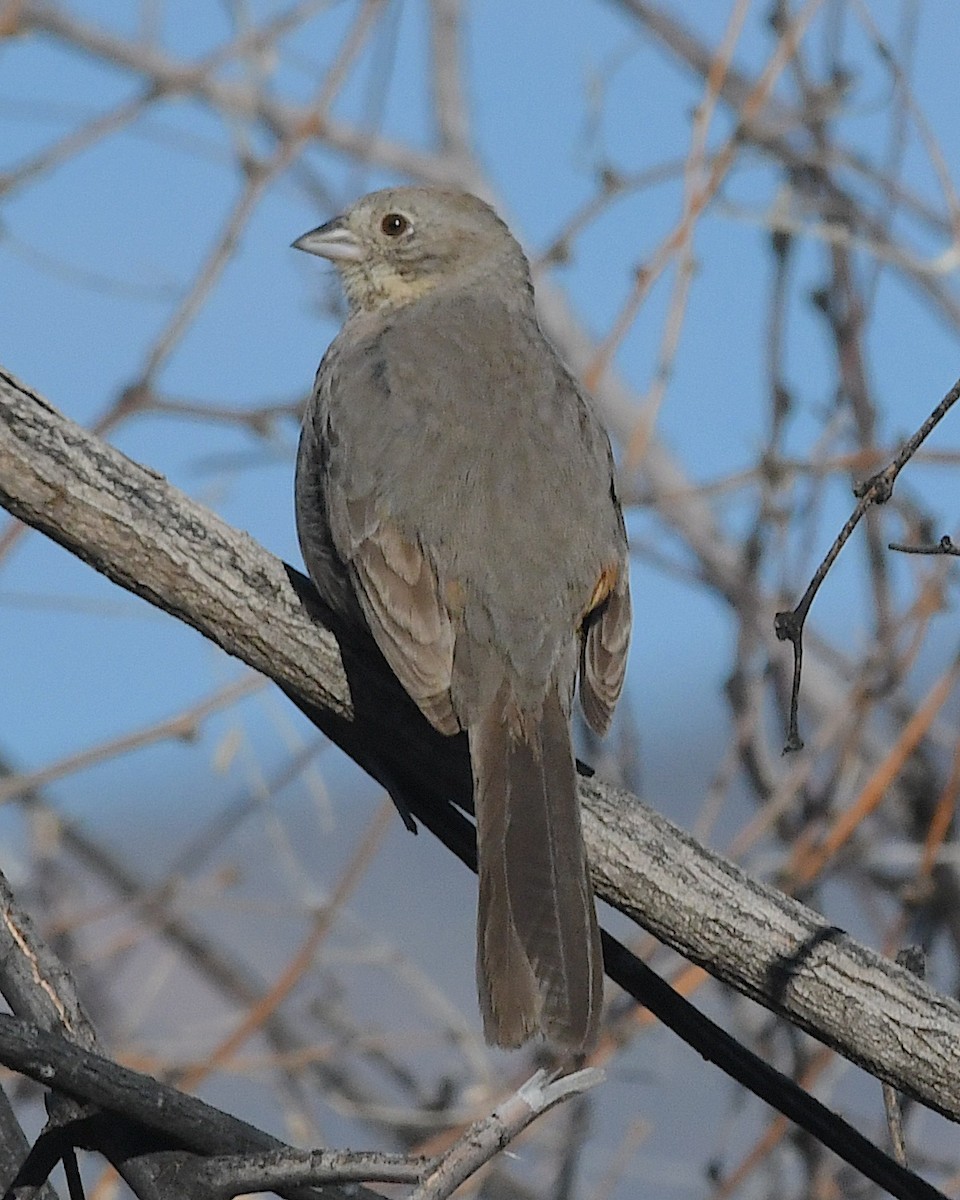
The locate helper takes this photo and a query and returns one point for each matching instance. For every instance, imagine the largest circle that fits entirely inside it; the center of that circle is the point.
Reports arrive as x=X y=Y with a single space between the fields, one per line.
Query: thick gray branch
x=130 y=524
x=133 y=526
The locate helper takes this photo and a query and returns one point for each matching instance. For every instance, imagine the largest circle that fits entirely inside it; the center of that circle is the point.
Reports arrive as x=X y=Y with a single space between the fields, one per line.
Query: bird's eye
x=393 y=224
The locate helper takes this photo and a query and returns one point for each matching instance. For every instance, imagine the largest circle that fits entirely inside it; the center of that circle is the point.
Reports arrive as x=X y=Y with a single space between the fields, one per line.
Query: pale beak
x=333 y=240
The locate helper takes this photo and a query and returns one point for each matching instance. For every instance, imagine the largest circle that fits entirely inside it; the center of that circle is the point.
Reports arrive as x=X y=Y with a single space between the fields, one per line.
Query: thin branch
x=132 y=1099
x=230 y=1175
x=449 y=101
x=491 y=1134
x=696 y=203
x=878 y=489
x=808 y=862
x=36 y=986
x=291 y=975
x=183 y=726
x=945 y=546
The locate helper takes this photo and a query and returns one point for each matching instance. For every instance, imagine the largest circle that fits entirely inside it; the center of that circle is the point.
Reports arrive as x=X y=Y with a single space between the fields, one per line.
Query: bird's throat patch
x=378 y=285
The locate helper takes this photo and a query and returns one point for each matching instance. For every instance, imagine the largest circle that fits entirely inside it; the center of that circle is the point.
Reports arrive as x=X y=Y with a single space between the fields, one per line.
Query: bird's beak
x=333 y=240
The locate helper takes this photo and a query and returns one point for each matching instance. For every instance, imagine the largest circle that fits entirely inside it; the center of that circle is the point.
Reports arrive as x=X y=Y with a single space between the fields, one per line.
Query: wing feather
x=603 y=657
x=400 y=597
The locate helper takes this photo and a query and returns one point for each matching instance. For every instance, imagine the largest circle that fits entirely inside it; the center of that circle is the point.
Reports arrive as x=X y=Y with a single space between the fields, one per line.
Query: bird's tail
x=539 y=963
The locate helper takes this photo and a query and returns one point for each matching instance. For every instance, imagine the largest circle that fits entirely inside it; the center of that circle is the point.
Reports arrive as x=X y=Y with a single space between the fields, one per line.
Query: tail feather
x=539 y=963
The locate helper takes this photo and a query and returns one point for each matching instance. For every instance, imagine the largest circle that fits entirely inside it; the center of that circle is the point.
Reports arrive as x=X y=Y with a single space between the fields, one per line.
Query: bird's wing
x=348 y=424
x=400 y=597
x=603 y=661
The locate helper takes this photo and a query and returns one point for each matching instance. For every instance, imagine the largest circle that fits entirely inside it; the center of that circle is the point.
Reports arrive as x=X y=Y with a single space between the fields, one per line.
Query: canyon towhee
x=455 y=491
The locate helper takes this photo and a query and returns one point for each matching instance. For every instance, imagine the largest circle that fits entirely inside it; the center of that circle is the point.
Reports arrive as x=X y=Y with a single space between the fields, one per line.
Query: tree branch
x=134 y=1103
x=133 y=526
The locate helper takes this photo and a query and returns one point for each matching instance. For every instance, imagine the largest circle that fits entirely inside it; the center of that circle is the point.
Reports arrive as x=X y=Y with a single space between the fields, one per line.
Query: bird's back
x=481 y=446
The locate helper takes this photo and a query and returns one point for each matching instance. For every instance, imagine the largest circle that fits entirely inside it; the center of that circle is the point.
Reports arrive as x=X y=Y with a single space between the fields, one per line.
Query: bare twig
x=228 y=1176
x=132 y=1099
x=490 y=1135
x=184 y=726
x=944 y=546
x=267 y=1005
x=876 y=490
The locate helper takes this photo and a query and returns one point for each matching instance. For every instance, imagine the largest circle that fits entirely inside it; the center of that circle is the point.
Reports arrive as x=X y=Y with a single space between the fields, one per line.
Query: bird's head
x=397 y=245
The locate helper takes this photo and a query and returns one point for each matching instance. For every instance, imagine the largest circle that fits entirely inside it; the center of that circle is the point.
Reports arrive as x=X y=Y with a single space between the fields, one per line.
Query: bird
x=456 y=496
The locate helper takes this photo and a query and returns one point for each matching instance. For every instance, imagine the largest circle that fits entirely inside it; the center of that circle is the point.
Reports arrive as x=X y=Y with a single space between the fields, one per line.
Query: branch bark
x=131 y=1103
x=38 y=989
x=144 y=534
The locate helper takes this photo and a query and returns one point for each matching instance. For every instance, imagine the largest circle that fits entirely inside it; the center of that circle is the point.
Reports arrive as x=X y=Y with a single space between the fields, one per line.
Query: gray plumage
x=455 y=492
